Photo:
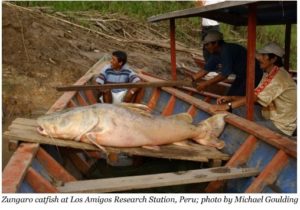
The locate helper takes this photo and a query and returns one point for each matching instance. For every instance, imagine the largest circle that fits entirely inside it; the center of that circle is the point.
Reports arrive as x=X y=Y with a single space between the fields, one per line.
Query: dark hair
x=278 y=61
x=122 y=56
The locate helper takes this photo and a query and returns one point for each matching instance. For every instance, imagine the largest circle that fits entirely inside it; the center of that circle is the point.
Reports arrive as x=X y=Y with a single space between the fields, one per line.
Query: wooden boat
x=262 y=161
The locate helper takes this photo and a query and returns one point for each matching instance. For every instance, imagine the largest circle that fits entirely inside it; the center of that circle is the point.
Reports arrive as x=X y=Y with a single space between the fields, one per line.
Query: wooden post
x=173 y=48
x=251 y=45
x=287 y=47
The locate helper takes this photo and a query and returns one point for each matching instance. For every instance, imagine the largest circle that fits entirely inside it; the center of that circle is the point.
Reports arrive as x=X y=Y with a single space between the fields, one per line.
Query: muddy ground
x=41 y=51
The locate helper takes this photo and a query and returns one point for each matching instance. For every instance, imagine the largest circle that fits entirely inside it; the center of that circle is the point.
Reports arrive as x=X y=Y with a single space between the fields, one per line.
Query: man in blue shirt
x=117 y=72
x=229 y=58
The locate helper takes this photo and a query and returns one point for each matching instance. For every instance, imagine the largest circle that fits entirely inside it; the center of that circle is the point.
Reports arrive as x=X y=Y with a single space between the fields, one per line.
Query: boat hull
x=269 y=159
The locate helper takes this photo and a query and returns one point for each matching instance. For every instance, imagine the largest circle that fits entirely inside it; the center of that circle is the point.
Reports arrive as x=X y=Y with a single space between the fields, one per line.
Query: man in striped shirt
x=117 y=72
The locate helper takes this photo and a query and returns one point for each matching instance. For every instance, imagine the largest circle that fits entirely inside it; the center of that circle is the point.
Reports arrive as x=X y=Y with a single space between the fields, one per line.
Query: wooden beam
x=72 y=103
x=53 y=167
x=156 y=180
x=243 y=153
x=38 y=183
x=251 y=45
x=168 y=110
x=32 y=136
x=13 y=145
x=173 y=49
x=91 y=97
x=81 y=100
x=194 y=12
x=270 y=137
x=17 y=167
x=192 y=110
x=239 y=158
x=270 y=173
x=154 y=98
x=82 y=165
x=287 y=46
x=125 y=85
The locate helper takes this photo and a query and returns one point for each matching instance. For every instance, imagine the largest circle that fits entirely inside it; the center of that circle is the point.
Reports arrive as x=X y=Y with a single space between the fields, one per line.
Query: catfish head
x=67 y=124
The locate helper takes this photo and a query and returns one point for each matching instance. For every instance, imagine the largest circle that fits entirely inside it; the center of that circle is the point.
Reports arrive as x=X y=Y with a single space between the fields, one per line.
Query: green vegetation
x=266 y=34
x=138 y=9
x=141 y=10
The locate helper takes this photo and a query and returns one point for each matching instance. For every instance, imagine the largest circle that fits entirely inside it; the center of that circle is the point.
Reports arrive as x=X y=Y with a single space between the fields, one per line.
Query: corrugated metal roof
x=236 y=12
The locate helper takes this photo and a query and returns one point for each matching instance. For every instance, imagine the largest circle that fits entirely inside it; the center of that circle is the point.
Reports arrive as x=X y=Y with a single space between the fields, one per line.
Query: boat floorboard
x=156 y=180
x=23 y=129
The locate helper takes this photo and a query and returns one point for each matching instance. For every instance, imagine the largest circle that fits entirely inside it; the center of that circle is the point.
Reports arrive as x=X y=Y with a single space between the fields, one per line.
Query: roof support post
x=251 y=45
x=287 y=47
x=173 y=48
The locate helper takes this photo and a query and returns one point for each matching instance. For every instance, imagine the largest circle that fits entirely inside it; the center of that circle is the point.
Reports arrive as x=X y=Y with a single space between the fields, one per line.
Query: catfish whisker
x=57 y=148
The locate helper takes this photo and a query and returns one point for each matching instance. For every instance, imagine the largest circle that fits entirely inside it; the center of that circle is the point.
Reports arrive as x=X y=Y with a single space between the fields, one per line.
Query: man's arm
x=202 y=85
x=200 y=74
x=236 y=101
x=134 y=78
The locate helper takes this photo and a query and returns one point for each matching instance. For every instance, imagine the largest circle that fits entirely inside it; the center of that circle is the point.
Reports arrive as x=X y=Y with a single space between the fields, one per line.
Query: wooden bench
x=23 y=129
x=156 y=180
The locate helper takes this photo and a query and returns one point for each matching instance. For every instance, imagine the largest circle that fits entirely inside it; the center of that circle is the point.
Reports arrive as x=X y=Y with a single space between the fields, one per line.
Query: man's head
x=212 y=41
x=271 y=54
x=119 y=58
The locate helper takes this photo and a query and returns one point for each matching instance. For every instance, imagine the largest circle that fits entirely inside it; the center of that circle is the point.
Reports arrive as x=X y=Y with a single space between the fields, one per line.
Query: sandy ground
x=40 y=52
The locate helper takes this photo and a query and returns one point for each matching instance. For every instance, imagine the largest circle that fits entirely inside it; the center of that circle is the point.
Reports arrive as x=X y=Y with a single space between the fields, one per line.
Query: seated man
x=117 y=72
x=229 y=58
x=276 y=95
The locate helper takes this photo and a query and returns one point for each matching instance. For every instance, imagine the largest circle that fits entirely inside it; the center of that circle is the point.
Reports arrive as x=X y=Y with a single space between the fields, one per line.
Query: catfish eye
x=41 y=130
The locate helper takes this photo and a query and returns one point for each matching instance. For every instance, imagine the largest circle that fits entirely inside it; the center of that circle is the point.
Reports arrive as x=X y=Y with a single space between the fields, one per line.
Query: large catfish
x=129 y=125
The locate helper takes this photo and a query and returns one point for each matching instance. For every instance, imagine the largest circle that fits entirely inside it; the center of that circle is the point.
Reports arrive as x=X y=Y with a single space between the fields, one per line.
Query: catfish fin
x=155 y=148
x=210 y=129
x=137 y=108
x=186 y=117
x=92 y=138
x=181 y=143
x=91 y=122
x=135 y=105
x=212 y=142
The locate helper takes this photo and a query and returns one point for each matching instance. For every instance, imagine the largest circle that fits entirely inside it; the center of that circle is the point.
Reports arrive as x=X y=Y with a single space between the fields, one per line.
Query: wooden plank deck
x=156 y=180
x=23 y=129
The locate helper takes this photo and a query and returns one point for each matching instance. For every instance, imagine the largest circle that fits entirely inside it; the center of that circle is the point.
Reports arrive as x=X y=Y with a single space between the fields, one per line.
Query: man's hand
x=218 y=108
x=224 y=99
x=201 y=86
x=200 y=74
x=130 y=95
x=193 y=76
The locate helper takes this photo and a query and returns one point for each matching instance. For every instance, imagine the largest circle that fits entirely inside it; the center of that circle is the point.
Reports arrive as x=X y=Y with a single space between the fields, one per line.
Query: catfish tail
x=209 y=131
